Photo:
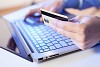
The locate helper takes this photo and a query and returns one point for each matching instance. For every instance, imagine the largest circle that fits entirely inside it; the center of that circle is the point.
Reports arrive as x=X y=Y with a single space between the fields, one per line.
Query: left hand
x=53 y=5
x=85 y=33
x=50 y=5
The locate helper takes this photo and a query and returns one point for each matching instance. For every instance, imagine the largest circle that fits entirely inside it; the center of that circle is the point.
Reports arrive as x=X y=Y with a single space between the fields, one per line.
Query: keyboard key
x=70 y=43
x=61 y=35
x=54 y=34
x=67 y=40
x=41 y=51
x=46 y=32
x=33 y=40
x=37 y=46
x=36 y=37
x=41 y=34
x=33 y=31
x=59 y=39
x=45 y=50
x=63 y=43
x=57 y=45
x=52 y=47
x=35 y=34
x=50 y=44
x=45 y=38
x=46 y=41
x=37 y=30
x=55 y=42
x=35 y=43
x=42 y=44
x=64 y=38
x=56 y=37
x=40 y=41
x=44 y=47
x=52 y=39
x=47 y=35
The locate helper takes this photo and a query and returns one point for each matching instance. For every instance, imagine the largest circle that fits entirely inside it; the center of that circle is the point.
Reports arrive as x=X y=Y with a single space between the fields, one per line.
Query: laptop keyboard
x=43 y=37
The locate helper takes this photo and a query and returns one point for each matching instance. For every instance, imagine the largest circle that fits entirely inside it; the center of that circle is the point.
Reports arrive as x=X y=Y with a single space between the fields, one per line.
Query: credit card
x=49 y=16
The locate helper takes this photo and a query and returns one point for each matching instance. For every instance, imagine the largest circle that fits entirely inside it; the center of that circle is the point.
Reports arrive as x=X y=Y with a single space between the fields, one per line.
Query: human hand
x=51 y=5
x=83 y=30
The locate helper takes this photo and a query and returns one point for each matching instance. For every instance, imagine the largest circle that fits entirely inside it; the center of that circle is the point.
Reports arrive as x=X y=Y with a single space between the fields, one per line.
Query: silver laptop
x=39 y=40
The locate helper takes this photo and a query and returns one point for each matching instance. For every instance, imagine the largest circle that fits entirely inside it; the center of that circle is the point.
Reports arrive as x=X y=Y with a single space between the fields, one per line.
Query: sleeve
x=70 y=3
x=81 y=4
x=90 y=3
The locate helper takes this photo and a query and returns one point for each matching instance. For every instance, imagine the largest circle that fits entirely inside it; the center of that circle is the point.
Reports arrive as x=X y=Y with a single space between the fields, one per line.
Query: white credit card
x=49 y=17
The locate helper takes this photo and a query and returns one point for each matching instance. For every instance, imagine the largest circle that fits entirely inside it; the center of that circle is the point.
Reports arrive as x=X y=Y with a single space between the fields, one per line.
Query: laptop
x=40 y=41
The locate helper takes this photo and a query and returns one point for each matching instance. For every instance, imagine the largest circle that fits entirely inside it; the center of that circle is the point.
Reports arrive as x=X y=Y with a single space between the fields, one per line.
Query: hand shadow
x=96 y=48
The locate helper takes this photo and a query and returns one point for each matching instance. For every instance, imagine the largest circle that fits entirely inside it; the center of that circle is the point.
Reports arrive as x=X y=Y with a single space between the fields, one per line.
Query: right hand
x=51 y=5
x=84 y=30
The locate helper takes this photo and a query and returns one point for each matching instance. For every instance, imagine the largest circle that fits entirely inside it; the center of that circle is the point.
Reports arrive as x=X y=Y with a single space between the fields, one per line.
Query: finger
x=69 y=26
x=41 y=19
x=91 y=42
x=82 y=45
x=72 y=35
x=32 y=12
x=78 y=44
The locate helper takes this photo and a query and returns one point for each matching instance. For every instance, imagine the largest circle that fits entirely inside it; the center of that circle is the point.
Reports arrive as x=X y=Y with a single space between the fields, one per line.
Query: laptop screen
x=7 y=40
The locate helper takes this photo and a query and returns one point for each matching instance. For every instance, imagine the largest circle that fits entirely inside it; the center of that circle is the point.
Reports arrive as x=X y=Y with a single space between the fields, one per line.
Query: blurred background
x=7 y=6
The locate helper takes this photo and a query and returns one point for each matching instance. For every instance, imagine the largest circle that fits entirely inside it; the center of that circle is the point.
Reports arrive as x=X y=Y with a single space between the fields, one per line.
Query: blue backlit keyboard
x=43 y=37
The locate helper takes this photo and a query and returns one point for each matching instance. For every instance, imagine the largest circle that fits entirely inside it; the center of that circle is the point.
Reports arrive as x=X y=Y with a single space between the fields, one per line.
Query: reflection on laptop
x=40 y=41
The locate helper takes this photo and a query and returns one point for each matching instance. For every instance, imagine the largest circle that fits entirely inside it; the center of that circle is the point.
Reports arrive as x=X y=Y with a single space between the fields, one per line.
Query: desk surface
x=88 y=57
